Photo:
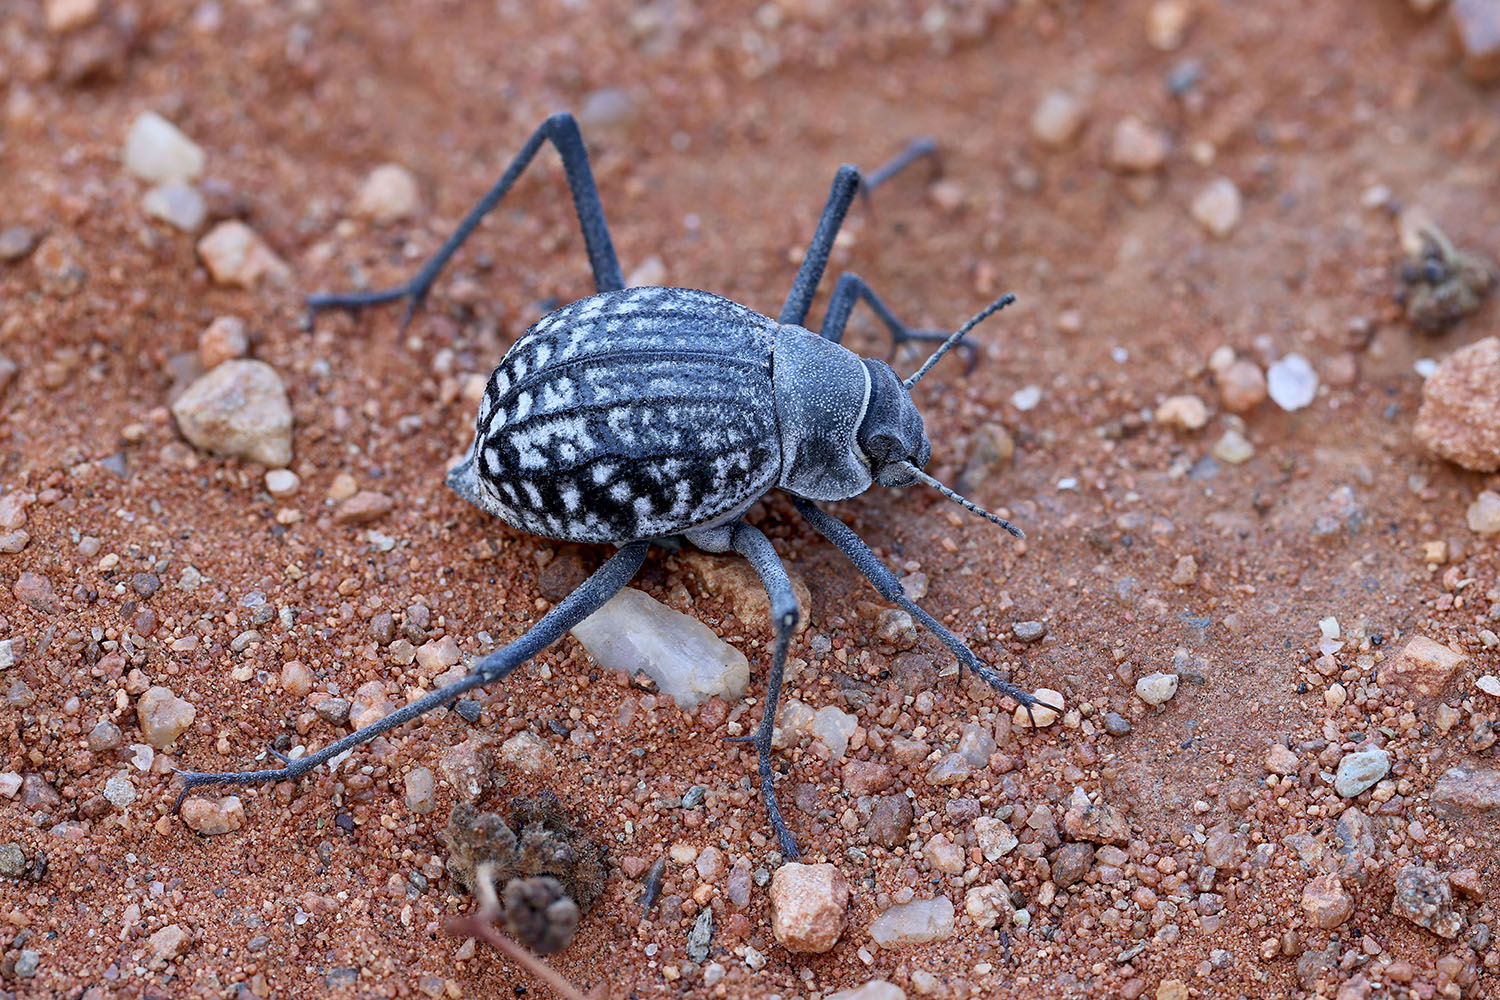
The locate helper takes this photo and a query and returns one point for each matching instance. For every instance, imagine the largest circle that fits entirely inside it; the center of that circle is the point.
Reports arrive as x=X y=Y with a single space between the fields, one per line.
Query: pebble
x=169 y=942
x=1116 y=724
x=1026 y=398
x=995 y=837
x=296 y=679
x=1459 y=419
x=1281 y=760
x=59 y=265
x=1057 y=119
x=27 y=963
x=179 y=205
x=282 y=483
x=943 y=855
x=875 y=989
x=1136 y=147
x=648 y=273
x=1233 y=448
x=469 y=710
x=1029 y=631
x=1043 y=716
x=1096 y=822
x=1157 y=688
x=388 y=194
x=12 y=861
x=156 y=151
x=891 y=818
x=1469 y=795
x=1291 y=382
x=235 y=256
x=990 y=449
x=834 y=728
x=239 y=408
x=163 y=716
x=105 y=736
x=530 y=753
x=1217 y=207
x=607 y=107
x=1185 y=412
x=119 y=791
x=700 y=935
x=1167 y=23
x=1489 y=684
x=1242 y=386
x=953 y=769
x=333 y=710
x=1484 y=513
x=1326 y=903
x=437 y=655
x=988 y=905
x=1424 y=897
x=1476 y=23
x=465 y=769
x=370 y=704
x=16 y=242
x=421 y=790
x=1422 y=667
x=213 y=817
x=975 y=744
x=1070 y=863
x=69 y=15
x=35 y=591
x=635 y=632
x=364 y=507
x=917 y=922
x=809 y=907
x=222 y=340
x=1360 y=771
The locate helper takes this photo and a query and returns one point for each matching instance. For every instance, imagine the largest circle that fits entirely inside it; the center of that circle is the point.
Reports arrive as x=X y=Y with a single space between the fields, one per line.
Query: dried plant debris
x=546 y=876
x=1440 y=284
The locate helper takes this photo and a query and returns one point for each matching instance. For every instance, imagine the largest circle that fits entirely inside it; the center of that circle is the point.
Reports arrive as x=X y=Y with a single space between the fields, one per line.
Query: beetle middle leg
x=850 y=289
x=562 y=131
x=756 y=547
x=590 y=596
x=885 y=582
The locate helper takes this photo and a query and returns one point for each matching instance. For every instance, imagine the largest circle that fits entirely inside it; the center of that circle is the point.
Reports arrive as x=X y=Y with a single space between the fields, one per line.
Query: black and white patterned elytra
x=631 y=414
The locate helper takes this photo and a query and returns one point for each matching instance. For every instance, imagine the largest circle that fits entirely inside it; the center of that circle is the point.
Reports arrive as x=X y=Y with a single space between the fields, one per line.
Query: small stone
x=1070 y=863
x=700 y=935
x=1172 y=989
x=988 y=905
x=14 y=541
x=528 y=752
x=1217 y=207
x=1424 y=897
x=635 y=632
x=1167 y=24
x=59 y=265
x=1291 y=382
x=179 y=205
x=1136 y=147
x=389 y=194
x=119 y=791
x=1242 y=386
x=1360 y=771
x=1281 y=760
x=63 y=16
x=222 y=340
x=1233 y=448
x=1029 y=631
x=1326 y=903
x=875 y=989
x=953 y=769
x=1184 y=412
x=809 y=907
x=105 y=736
x=421 y=790
x=438 y=655
x=864 y=777
x=235 y=256
x=1477 y=25
x=990 y=449
x=213 y=817
x=465 y=769
x=282 y=483
x=1157 y=688
x=334 y=710
x=35 y=591
x=917 y=922
x=607 y=107
x=1116 y=724
x=1098 y=822
x=1185 y=571
x=469 y=710
x=891 y=817
x=13 y=862
x=296 y=679
x=947 y=195
x=364 y=507
x=1484 y=513
x=1057 y=119
x=239 y=408
x=995 y=837
x=370 y=705
x=975 y=744
x=1470 y=796
x=1423 y=667
x=733 y=579
x=648 y=273
x=1489 y=684
x=834 y=728
x=1041 y=714
x=1459 y=419
x=163 y=716
x=156 y=151
x=943 y=855
x=169 y=943
x=15 y=243
x=27 y=962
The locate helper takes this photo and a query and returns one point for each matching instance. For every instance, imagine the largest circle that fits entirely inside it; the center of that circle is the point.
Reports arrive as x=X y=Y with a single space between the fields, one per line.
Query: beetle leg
x=850 y=289
x=845 y=184
x=885 y=582
x=562 y=131
x=753 y=545
x=588 y=598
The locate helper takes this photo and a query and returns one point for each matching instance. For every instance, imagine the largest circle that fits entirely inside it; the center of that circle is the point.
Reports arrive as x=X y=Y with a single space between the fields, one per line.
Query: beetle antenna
x=963 y=502
x=958 y=335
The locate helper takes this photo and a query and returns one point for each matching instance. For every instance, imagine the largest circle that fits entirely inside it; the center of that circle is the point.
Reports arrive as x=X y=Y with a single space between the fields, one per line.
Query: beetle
x=637 y=414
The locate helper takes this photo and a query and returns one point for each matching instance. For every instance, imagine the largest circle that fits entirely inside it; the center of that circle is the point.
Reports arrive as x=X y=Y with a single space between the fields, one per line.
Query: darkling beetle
x=641 y=413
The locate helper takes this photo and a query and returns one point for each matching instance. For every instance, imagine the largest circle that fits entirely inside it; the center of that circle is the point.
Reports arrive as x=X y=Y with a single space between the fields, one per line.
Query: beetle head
x=891 y=434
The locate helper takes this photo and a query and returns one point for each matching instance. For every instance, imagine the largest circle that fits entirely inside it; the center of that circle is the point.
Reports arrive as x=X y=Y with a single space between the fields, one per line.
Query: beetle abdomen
x=631 y=414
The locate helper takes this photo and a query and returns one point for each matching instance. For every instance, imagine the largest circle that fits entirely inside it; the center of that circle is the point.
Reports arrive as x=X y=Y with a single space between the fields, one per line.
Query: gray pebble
x=146 y=584
x=1029 y=631
x=1116 y=724
x=26 y=965
x=12 y=861
x=699 y=936
x=694 y=797
x=333 y=710
x=105 y=736
x=16 y=242
x=469 y=710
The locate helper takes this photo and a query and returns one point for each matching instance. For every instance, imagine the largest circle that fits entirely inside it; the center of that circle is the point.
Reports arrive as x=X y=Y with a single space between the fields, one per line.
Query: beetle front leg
x=754 y=546
x=590 y=596
x=850 y=289
x=885 y=582
x=562 y=131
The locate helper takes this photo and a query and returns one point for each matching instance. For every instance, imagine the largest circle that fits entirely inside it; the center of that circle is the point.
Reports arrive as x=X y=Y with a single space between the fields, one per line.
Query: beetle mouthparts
x=958 y=335
x=963 y=502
